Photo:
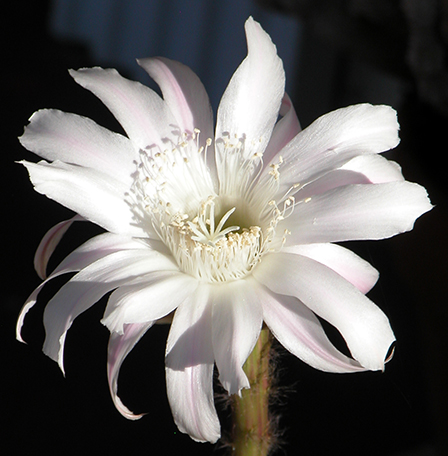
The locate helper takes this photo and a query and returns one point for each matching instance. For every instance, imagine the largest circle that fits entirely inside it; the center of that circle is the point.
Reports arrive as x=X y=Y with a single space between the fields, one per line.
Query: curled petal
x=189 y=368
x=91 y=284
x=343 y=261
x=301 y=333
x=48 y=244
x=86 y=254
x=355 y=212
x=120 y=345
x=363 y=325
x=236 y=324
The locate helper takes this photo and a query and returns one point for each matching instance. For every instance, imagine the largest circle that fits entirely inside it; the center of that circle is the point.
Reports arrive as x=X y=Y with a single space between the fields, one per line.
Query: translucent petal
x=119 y=347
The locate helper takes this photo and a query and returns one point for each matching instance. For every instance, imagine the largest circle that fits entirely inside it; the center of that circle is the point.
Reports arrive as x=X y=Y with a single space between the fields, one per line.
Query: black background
x=400 y=412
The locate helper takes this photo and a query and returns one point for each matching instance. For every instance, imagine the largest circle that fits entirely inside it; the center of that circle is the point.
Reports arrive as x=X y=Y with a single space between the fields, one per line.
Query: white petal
x=301 y=333
x=335 y=138
x=236 y=325
x=363 y=169
x=92 y=194
x=189 y=369
x=160 y=294
x=363 y=325
x=56 y=135
x=142 y=113
x=343 y=261
x=376 y=168
x=86 y=254
x=119 y=347
x=90 y=285
x=251 y=102
x=184 y=94
x=355 y=212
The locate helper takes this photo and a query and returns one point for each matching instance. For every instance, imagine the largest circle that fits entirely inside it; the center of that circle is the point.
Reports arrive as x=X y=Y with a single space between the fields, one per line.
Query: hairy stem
x=252 y=430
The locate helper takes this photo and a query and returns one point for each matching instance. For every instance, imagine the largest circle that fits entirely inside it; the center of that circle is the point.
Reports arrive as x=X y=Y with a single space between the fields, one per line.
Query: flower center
x=215 y=238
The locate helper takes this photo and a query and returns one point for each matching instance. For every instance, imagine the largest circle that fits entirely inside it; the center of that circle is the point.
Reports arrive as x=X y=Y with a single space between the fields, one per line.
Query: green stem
x=252 y=430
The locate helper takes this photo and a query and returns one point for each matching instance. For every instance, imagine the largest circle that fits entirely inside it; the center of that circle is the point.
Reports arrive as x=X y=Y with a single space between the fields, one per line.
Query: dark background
x=390 y=52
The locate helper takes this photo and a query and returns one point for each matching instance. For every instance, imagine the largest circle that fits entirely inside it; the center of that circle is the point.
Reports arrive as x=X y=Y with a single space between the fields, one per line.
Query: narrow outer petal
x=301 y=333
x=48 y=244
x=236 y=325
x=251 y=102
x=90 y=285
x=92 y=250
x=355 y=212
x=343 y=261
x=363 y=325
x=120 y=345
x=189 y=368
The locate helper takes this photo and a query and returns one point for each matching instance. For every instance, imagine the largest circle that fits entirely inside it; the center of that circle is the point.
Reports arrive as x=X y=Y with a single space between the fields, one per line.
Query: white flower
x=223 y=231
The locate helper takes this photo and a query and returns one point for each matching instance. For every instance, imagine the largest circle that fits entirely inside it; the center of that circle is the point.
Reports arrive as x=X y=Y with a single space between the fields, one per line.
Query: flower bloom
x=220 y=232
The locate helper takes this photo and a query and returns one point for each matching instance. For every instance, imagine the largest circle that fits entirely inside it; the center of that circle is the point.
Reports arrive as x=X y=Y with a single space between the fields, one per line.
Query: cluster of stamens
x=192 y=217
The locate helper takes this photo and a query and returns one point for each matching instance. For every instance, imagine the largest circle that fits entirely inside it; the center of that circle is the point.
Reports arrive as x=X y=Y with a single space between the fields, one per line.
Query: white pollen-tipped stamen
x=210 y=236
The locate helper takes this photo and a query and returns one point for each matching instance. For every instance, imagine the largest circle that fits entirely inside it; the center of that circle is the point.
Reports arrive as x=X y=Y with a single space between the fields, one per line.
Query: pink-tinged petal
x=331 y=180
x=236 y=324
x=356 y=212
x=184 y=94
x=120 y=345
x=92 y=194
x=86 y=254
x=284 y=131
x=189 y=368
x=363 y=325
x=343 y=261
x=56 y=135
x=363 y=169
x=160 y=294
x=335 y=138
x=301 y=333
x=251 y=102
x=142 y=113
x=88 y=286
x=49 y=243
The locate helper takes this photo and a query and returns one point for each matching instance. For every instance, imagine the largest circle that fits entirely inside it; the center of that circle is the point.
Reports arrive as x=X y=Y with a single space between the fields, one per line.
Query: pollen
x=216 y=233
